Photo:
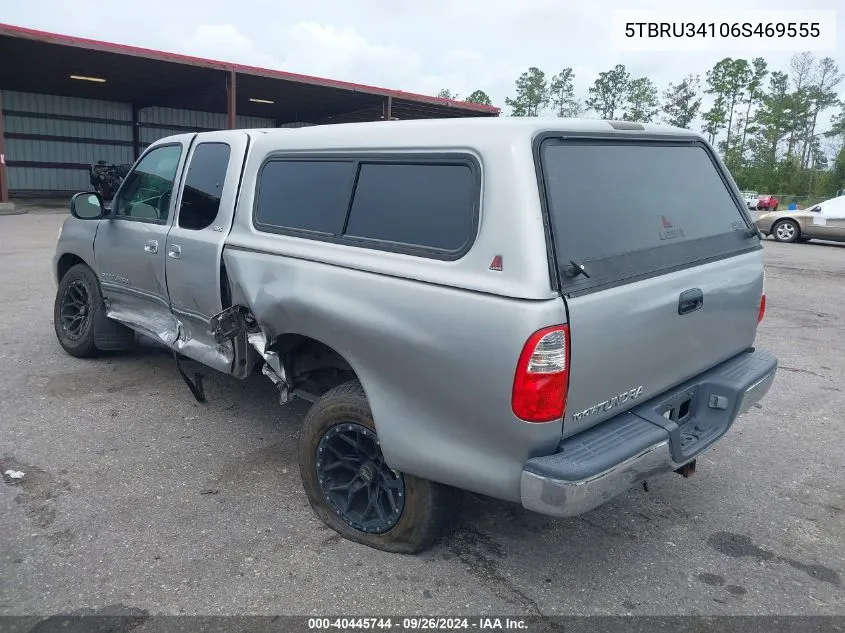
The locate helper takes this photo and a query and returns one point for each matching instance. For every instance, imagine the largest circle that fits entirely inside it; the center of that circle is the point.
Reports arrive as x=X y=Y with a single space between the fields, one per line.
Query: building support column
x=136 y=133
x=4 y=169
x=387 y=113
x=231 y=100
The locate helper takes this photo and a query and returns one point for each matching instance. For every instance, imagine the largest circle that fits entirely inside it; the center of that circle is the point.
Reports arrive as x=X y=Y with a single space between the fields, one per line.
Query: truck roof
x=457 y=131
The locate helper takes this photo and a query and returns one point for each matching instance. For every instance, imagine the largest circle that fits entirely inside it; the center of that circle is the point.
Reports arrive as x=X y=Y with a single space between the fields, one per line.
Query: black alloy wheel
x=355 y=480
x=75 y=310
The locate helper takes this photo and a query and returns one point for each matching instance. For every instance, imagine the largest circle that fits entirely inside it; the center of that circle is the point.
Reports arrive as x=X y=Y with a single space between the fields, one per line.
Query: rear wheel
x=353 y=490
x=786 y=231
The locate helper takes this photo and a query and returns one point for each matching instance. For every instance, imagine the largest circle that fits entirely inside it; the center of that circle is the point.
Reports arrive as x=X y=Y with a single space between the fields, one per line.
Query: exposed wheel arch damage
x=299 y=365
x=66 y=262
x=313 y=367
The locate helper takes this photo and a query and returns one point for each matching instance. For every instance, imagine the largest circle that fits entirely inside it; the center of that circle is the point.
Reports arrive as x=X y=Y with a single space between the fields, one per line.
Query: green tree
x=727 y=81
x=609 y=92
x=754 y=93
x=562 y=94
x=774 y=120
x=822 y=95
x=801 y=70
x=715 y=119
x=641 y=101
x=837 y=126
x=479 y=96
x=532 y=93
x=445 y=93
x=837 y=175
x=681 y=102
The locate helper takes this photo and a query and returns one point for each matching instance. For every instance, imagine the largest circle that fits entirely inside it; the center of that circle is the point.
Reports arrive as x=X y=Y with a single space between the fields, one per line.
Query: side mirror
x=815 y=209
x=87 y=206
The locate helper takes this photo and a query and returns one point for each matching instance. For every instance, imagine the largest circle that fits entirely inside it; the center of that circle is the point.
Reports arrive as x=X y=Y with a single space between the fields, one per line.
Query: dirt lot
x=136 y=495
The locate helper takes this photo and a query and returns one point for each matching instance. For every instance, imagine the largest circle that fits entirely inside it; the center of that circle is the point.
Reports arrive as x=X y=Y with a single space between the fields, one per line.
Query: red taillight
x=542 y=376
x=762 y=311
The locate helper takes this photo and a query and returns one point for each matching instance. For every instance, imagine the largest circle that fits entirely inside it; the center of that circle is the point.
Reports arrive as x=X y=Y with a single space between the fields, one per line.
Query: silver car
x=465 y=303
x=824 y=221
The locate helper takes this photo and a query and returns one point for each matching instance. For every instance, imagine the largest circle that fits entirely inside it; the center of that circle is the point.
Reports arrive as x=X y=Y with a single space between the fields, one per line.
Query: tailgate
x=673 y=275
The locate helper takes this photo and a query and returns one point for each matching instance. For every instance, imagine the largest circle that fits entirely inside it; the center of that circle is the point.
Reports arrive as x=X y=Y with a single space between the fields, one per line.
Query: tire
x=786 y=231
x=422 y=508
x=83 y=329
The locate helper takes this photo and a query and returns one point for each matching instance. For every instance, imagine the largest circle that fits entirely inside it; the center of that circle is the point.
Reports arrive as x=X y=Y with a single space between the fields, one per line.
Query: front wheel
x=352 y=489
x=79 y=316
x=786 y=231
x=78 y=299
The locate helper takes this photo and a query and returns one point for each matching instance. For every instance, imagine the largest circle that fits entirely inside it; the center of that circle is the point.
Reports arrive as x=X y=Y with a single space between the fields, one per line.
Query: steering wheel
x=160 y=203
x=163 y=205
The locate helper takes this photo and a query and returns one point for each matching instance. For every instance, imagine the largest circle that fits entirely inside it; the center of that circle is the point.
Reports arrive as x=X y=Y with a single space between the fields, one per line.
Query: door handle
x=174 y=251
x=151 y=246
x=690 y=301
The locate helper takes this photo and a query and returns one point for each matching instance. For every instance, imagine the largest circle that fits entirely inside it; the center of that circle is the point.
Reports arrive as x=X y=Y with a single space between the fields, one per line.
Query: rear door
x=675 y=274
x=206 y=206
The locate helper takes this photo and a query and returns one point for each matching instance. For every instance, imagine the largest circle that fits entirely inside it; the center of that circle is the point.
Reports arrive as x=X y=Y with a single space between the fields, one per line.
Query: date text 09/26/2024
x=417 y=624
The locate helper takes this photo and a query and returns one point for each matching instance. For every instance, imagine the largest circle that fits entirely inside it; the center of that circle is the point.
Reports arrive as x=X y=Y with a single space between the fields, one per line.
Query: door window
x=417 y=204
x=146 y=192
x=204 y=185
x=307 y=195
x=425 y=206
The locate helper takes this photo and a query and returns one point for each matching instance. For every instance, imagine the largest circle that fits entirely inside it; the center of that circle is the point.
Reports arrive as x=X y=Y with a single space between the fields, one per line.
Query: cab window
x=147 y=190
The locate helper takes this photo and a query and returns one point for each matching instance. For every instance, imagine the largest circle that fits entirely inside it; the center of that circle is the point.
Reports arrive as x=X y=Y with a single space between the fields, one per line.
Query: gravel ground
x=137 y=496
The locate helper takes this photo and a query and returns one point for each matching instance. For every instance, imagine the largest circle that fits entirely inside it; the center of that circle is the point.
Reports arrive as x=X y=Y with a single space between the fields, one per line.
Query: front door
x=829 y=222
x=130 y=242
x=206 y=206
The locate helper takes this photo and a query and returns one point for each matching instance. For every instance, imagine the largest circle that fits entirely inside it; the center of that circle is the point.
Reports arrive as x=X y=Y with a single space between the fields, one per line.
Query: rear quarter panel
x=435 y=343
x=437 y=363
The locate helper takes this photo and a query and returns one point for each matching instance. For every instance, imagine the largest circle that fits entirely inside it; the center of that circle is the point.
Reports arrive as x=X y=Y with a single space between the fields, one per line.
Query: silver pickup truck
x=544 y=311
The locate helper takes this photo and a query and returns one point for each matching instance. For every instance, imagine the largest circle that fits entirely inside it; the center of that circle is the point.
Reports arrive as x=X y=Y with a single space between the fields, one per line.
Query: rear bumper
x=598 y=464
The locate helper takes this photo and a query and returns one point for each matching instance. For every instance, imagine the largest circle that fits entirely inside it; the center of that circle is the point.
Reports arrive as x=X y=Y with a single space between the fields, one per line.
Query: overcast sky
x=422 y=46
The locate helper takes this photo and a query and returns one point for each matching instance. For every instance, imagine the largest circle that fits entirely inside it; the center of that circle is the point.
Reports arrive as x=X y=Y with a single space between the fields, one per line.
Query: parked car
x=461 y=300
x=750 y=198
x=767 y=202
x=825 y=221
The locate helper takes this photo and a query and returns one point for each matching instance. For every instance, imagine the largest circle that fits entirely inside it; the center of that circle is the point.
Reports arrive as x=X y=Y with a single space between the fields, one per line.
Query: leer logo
x=668 y=232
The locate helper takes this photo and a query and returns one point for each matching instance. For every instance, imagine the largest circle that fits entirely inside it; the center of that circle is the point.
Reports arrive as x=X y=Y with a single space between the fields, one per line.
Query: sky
x=462 y=45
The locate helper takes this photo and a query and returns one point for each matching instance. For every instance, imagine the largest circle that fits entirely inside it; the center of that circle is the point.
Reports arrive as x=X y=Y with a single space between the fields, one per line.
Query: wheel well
x=66 y=262
x=312 y=365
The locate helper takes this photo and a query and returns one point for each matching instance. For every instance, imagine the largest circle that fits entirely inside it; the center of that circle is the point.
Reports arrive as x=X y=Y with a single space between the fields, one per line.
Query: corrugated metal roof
x=122 y=49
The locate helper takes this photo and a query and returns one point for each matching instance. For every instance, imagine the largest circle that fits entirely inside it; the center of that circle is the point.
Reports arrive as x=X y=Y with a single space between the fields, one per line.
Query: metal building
x=68 y=102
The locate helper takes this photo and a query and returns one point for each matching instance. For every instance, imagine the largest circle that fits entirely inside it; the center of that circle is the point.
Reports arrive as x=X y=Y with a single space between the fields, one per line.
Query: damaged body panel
x=468 y=438
x=160 y=261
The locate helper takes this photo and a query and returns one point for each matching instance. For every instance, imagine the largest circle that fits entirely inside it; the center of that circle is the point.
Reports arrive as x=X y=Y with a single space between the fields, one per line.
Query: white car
x=750 y=198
